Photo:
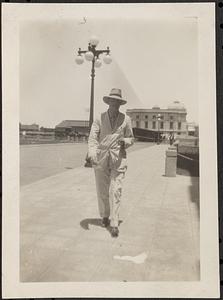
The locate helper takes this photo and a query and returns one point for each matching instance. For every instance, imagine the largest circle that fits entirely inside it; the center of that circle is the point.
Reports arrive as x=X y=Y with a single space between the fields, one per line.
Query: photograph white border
x=208 y=286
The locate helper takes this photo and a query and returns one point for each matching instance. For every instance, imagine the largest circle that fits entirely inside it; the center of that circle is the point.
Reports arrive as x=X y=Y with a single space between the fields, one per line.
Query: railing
x=187 y=160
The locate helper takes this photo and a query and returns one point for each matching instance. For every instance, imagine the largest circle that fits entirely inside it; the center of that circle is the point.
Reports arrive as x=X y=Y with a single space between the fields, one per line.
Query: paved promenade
x=62 y=240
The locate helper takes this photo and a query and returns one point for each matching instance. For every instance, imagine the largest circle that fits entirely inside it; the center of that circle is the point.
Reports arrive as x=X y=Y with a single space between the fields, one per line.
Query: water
x=40 y=161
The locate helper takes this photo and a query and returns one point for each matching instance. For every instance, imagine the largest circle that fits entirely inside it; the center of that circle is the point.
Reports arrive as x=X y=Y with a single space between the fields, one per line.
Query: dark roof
x=29 y=127
x=73 y=123
x=47 y=129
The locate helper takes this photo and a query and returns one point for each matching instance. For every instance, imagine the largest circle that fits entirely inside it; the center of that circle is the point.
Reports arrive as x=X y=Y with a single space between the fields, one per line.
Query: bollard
x=171 y=162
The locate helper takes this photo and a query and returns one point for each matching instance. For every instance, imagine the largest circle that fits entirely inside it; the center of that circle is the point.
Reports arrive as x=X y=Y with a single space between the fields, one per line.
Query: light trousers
x=109 y=191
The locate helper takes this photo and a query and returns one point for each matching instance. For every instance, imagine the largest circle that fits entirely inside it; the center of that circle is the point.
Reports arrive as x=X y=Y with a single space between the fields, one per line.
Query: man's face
x=114 y=106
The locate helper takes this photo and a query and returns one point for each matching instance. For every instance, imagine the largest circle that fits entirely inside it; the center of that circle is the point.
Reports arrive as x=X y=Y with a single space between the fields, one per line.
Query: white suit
x=111 y=167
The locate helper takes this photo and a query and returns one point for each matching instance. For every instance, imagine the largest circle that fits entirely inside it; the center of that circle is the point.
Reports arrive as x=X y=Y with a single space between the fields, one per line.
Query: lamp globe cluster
x=93 y=54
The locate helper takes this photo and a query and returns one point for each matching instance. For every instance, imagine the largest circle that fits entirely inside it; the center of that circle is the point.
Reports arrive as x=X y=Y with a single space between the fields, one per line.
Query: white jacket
x=103 y=140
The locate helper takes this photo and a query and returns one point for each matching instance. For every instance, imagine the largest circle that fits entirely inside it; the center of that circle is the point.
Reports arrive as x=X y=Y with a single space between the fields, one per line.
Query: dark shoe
x=114 y=231
x=105 y=222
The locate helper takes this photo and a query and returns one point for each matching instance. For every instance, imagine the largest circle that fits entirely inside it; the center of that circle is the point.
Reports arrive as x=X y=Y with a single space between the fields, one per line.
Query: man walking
x=171 y=139
x=110 y=135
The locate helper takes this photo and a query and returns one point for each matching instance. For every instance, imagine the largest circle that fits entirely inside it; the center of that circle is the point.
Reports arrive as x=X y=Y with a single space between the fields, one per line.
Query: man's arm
x=93 y=140
x=128 y=137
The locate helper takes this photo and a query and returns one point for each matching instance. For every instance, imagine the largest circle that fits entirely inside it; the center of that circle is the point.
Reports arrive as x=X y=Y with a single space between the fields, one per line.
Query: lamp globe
x=107 y=59
x=89 y=56
x=94 y=40
x=79 y=60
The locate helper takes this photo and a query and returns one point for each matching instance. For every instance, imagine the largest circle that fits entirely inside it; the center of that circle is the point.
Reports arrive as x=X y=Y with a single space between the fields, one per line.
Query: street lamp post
x=158 y=125
x=92 y=54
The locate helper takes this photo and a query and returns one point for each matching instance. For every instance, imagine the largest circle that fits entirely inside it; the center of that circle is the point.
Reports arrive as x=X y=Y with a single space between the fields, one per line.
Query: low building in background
x=47 y=129
x=66 y=131
x=28 y=128
x=72 y=129
x=192 y=129
x=28 y=133
x=31 y=134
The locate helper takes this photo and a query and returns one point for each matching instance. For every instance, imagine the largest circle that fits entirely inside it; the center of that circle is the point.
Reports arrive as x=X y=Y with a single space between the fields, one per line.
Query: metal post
x=92 y=95
x=88 y=163
x=158 y=126
x=158 y=138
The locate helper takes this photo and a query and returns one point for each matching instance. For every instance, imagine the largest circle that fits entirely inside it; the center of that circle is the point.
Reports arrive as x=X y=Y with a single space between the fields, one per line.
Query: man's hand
x=94 y=159
x=121 y=142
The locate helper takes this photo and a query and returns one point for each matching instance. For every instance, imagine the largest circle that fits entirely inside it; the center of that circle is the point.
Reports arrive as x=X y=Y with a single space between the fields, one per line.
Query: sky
x=155 y=62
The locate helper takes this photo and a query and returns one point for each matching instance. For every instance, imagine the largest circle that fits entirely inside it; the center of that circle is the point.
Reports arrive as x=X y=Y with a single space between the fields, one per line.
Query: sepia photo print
x=114 y=128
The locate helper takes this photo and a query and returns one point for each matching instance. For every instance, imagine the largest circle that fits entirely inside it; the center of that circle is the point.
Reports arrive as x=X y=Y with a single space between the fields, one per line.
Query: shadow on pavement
x=194 y=193
x=90 y=221
x=93 y=221
x=188 y=165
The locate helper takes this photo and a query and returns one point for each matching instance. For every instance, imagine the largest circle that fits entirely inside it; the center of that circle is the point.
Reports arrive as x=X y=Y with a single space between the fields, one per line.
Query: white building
x=169 y=120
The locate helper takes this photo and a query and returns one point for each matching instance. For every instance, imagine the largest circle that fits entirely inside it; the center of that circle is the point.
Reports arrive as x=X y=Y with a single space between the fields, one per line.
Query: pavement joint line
x=52 y=144
x=154 y=231
x=41 y=274
x=114 y=243
x=133 y=206
x=101 y=262
x=140 y=242
x=59 y=258
x=63 y=252
x=193 y=229
x=134 y=202
x=26 y=186
x=126 y=219
x=129 y=212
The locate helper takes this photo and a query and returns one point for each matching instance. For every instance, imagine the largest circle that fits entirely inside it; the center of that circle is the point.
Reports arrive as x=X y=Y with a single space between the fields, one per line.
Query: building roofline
x=75 y=121
x=147 y=110
x=63 y=124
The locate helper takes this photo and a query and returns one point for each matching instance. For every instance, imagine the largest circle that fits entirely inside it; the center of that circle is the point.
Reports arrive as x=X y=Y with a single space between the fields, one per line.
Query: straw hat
x=115 y=94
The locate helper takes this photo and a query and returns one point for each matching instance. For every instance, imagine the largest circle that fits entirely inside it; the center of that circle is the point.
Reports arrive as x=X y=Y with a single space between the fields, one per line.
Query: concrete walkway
x=62 y=240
